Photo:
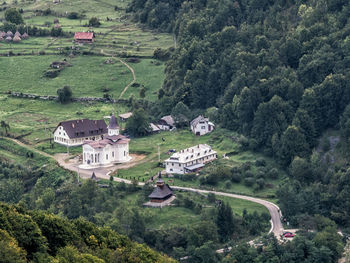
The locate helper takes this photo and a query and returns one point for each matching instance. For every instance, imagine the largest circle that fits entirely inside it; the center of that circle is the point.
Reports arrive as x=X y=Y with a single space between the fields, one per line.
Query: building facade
x=190 y=159
x=113 y=148
x=201 y=126
x=75 y=132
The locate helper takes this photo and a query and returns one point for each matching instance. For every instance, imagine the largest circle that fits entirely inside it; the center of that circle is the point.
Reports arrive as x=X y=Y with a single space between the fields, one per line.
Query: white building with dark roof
x=190 y=160
x=75 y=132
x=201 y=126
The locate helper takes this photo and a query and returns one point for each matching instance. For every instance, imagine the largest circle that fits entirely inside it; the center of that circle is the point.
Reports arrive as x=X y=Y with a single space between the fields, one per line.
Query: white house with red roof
x=84 y=37
x=113 y=148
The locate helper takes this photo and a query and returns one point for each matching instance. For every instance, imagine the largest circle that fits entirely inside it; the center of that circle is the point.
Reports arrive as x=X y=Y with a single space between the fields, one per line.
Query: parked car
x=288 y=234
x=172 y=151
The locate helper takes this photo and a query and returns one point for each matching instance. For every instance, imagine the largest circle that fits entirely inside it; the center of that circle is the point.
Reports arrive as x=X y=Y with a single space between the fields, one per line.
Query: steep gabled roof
x=198 y=119
x=169 y=120
x=83 y=128
x=161 y=192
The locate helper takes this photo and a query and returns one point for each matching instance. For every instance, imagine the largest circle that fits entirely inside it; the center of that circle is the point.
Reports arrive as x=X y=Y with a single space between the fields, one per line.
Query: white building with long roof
x=190 y=160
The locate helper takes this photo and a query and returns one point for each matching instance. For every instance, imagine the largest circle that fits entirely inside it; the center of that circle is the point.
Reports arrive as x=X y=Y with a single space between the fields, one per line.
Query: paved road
x=275 y=213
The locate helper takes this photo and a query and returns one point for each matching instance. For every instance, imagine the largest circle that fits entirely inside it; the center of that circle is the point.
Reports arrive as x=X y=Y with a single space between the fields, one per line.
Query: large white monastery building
x=75 y=132
x=190 y=160
x=112 y=148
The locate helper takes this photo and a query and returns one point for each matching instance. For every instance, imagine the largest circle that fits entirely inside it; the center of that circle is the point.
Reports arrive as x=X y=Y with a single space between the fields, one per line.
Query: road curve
x=275 y=212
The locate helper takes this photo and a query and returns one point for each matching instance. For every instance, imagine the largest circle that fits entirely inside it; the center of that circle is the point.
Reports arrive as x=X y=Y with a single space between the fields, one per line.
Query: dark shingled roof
x=161 y=192
x=83 y=128
x=113 y=124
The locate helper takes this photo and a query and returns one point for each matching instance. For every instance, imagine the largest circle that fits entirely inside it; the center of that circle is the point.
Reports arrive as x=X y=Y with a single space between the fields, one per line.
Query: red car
x=288 y=234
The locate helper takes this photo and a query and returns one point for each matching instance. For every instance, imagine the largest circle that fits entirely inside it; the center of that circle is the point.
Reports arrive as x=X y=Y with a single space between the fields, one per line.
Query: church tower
x=113 y=127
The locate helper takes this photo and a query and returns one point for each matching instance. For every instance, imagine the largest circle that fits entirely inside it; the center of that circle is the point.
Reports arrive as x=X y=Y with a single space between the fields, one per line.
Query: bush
x=261 y=183
x=94 y=21
x=248 y=174
x=249 y=181
x=273 y=173
x=236 y=177
x=228 y=184
x=260 y=174
x=73 y=15
x=260 y=162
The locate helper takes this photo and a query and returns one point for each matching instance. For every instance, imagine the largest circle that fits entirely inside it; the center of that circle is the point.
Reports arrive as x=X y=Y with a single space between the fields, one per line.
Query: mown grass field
x=89 y=76
x=117 y=35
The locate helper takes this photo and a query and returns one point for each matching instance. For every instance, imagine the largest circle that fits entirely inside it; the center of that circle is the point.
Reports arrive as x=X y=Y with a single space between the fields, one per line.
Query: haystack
x=9 y=34
x=25 y=36
x=18 y=34
x=16 y=39
x=1 y=39
x=2 y=34
x=9 y=39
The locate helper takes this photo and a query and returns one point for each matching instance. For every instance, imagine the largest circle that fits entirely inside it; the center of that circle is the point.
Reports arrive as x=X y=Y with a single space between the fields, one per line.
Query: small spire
x=113 y=124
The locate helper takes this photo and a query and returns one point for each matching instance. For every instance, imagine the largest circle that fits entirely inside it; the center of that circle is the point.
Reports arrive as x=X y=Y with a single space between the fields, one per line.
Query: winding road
x=104 y=173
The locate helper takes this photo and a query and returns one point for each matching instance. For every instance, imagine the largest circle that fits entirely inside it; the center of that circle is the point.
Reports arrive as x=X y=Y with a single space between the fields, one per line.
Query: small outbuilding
x=154 y=128
x=166 y=123
x=84 y=37
x=125 y=116
x=161 y=192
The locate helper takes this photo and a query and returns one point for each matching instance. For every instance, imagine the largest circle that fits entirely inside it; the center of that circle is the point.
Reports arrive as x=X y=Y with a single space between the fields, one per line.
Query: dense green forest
x=42 y=237
x=276 y=72
x=275 y=69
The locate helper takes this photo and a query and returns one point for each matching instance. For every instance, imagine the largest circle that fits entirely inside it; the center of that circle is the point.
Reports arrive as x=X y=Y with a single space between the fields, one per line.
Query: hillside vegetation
x=275 y=69
x=41 y=237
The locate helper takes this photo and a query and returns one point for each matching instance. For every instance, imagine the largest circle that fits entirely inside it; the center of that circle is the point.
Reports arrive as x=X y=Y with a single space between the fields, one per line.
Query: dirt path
x=129 y=67
x=29 y=147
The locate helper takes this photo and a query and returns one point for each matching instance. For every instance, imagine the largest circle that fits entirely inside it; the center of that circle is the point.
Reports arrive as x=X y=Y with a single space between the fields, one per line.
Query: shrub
x=94 y=21
x=248 y=174
x=261 y=183
x=260 y=162
x=236 y=177
x=249 y=181
x=73 y=15
x=228 y=184
x=273 y=173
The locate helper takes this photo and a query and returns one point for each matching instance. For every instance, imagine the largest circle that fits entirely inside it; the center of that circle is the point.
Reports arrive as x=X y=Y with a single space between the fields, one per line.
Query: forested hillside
x=41 y=237
x=278 y=73
x=275 y=69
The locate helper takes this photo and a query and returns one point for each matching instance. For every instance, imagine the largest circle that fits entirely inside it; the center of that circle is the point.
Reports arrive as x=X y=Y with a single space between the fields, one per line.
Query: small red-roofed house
x=84 y=37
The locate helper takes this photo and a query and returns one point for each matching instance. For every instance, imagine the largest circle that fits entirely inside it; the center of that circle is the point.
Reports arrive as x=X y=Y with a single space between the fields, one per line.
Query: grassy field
x=168 y=217
x=38 y=118
x=219 y=140
x=117 y=35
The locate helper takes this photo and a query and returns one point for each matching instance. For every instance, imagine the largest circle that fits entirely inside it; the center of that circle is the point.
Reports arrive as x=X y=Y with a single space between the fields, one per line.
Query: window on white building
x=113 y=154
x=203 y=127
x=106 y=156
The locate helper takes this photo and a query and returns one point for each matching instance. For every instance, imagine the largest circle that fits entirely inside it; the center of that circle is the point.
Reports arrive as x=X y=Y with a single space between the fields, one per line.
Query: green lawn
x=168 y=217
x=39 y=118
